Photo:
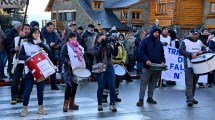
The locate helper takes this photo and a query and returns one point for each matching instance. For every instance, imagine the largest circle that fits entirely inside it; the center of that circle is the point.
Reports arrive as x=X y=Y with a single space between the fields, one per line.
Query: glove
x=103 y=42
x=165 y=44
x=117 y=44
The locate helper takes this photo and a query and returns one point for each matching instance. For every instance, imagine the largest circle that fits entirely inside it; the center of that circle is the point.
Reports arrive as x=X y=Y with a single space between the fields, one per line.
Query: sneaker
x=189 y=103
x=54 y=87
x=118 y=99
x=195 y=101
x=100 y=108
x=24 y=112
x=13 y=101
x=41 y=110
x=112 y=107
x=104 y=100
x=140 y=102
x=151 y=101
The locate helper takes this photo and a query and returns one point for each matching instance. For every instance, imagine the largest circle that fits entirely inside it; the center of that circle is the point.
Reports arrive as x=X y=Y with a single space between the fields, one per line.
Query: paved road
x=171 y=105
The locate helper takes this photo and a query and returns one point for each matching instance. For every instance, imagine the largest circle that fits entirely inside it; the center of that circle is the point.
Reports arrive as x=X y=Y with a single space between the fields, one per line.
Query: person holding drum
x=119 y=59
x=150 y=51
x=190 y=48
x=103 y=50
x=72 y=58
x=33 y=45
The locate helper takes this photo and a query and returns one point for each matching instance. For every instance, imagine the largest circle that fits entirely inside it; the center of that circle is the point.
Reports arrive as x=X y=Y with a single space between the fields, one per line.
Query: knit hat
x=164 y=27
x=34 y=23
x=91 y=25
x=16 y=24
x=80 y=28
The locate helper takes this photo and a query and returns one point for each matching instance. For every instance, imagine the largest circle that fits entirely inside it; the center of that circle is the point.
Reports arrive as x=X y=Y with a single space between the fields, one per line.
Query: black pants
x=53 y=77
x=89 y=60
x=15 y=90
x=70 y=92
x=210 y=78
x=10 y=65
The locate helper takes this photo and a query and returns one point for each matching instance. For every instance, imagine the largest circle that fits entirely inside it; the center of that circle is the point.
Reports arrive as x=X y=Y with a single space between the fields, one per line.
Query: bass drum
x=203 y=64
x=40 y=66
x=119 y=70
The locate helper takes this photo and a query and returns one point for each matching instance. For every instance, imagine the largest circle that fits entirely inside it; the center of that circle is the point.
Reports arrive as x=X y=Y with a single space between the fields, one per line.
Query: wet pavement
x=171 y=104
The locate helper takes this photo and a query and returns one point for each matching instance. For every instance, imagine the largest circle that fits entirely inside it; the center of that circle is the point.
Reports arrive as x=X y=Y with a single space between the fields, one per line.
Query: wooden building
x=134 y=14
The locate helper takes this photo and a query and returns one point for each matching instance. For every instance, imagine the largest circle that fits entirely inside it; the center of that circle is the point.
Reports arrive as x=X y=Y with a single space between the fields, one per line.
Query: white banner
x=12 y=3
x=175 y=63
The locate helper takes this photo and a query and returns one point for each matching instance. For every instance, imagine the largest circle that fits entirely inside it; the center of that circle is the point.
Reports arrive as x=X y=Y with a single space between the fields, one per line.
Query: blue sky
x=36 y=10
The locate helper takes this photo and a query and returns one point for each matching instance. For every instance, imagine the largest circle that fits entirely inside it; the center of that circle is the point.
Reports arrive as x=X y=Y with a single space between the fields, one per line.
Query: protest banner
x=175 y=63
x=12 y=3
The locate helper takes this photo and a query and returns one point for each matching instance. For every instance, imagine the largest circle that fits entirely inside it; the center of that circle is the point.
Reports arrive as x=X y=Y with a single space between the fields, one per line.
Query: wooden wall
x=165 y=19
x=189 y=12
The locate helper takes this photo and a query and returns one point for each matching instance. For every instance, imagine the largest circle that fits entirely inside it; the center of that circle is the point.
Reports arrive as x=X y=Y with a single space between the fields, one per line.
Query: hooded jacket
x=151 y=49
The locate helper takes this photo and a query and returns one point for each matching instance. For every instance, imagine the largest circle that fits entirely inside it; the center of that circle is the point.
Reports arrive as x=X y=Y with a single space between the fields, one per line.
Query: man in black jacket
x=150 y=51
x=10 y=35
x=54 y=43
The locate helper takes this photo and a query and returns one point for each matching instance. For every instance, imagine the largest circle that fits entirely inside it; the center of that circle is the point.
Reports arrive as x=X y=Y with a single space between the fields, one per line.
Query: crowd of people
x=78 y=48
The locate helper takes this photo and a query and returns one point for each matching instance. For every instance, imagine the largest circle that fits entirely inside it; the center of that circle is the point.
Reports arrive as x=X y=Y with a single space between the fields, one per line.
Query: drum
x=81 y=75
x=158 y=67
x=119 y=70
x=203 y=64
x=40 y=66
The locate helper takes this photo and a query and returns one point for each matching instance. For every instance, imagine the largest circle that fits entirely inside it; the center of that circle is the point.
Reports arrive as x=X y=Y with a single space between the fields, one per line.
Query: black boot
x=151 y=101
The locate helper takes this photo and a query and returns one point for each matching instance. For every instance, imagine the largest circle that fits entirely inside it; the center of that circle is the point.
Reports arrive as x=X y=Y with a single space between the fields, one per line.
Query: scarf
x=76 y=49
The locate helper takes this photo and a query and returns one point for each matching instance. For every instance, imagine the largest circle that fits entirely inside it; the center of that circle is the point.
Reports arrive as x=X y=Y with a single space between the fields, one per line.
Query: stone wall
x=81 y=17
x=206 y=11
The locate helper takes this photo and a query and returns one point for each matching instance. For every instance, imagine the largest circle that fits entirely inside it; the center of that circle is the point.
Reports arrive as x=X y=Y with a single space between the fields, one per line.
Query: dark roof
x=109 y=19
x=121 y=3
x=116 y=3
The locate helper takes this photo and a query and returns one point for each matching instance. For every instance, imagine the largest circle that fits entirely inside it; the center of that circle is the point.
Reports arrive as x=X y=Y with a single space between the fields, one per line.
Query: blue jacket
x=151 y=49
x=212 y=45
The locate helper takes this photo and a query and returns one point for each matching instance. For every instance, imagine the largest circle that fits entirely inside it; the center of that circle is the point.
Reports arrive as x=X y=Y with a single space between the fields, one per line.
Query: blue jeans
x=2 y=62
x=29 y=83
x=109 y=77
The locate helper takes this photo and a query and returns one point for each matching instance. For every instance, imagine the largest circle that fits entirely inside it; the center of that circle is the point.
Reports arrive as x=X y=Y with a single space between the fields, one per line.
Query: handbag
x=101 y=66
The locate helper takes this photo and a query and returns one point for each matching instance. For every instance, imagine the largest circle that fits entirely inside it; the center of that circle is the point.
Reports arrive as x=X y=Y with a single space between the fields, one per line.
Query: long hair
x=30 y=35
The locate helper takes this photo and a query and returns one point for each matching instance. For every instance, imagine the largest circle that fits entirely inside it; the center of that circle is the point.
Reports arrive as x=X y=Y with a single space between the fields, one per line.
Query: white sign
x=175 y=63
x=46 y=68
x=12 y=3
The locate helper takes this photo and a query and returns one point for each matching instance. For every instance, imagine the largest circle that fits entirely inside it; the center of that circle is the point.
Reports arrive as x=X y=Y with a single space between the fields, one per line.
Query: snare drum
x=203 y=64
x=40 y=66
x=119 y=70
x=81 y=75
x=158 y=67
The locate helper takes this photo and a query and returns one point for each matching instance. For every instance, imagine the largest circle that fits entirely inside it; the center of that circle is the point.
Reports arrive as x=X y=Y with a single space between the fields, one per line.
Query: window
x=97 y=5
x=74 y=16
x=54 y=16
x=161 y=8
x=124 y=15
x=60 y=16
x=136 y=15
x=212 y=7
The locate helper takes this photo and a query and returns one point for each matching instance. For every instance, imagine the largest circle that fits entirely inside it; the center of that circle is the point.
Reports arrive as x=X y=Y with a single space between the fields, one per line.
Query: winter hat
x=80 y=28
x=113 y=28
x=101 y=34
x=164 y=27
x=73 y=23
x=34 y=23
x=91 y=26
x=16 y=24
